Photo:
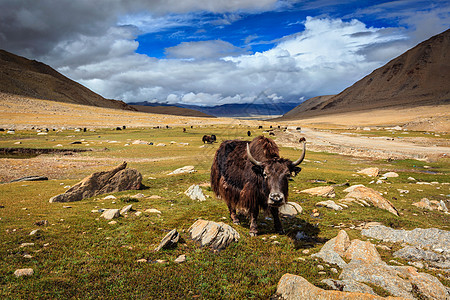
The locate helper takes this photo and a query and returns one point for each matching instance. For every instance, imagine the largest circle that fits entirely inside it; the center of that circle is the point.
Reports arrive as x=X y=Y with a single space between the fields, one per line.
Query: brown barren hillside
x=30 y=78
x=420 y=76
x=171 y=110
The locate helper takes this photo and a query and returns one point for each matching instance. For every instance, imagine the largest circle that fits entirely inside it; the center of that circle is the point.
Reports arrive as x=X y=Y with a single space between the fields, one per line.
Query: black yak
x=251 y=176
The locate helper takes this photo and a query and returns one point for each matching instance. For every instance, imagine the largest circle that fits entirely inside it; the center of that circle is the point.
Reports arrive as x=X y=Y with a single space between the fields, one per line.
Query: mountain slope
x=171 y=110
x=420 y=76
x=30 y=78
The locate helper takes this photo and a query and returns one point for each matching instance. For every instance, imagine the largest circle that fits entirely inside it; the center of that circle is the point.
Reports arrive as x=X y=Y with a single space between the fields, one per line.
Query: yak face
x=275 y=174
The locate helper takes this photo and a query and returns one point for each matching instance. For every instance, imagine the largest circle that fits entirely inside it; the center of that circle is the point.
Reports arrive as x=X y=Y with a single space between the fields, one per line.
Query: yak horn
x=298 y=161
x=250 y=157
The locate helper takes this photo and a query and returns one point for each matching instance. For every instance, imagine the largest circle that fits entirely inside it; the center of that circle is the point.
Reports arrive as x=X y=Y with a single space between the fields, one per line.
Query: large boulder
x=367 y=267
x=216 y=235
x=115 y=180
x=334 y=249
x=432 y=238
x=295 y=287
x=368 y=195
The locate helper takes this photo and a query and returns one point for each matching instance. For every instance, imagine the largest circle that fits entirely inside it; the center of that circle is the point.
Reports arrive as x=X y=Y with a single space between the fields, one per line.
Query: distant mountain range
x=420 y=76
x=30 y=78
x=230 y=110
x=169 y=110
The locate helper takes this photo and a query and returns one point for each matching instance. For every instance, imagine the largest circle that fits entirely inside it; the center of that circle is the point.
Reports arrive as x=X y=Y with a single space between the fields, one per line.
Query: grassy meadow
x=80 y=255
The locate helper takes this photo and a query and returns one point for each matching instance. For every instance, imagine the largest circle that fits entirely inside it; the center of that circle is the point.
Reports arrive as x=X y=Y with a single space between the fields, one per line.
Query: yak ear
x=259 y=170
x=295 y=171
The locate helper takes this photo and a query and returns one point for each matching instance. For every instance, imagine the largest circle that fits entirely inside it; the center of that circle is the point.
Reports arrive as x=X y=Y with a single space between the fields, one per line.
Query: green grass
x=79 y=255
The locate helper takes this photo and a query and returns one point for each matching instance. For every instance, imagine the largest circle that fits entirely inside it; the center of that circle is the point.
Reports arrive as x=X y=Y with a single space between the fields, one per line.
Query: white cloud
x=325 y=58
x=203 y=50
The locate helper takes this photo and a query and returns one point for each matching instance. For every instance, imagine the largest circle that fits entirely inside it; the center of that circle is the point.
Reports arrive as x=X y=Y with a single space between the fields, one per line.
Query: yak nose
x=276 y=197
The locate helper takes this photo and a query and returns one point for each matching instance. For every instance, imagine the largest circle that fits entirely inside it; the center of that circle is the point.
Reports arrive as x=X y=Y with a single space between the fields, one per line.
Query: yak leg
x=276 y=220
x=233 y=215
x=253 y=225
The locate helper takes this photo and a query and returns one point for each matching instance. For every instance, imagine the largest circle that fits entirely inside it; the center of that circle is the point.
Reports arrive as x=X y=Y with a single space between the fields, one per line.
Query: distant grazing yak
x=249 y=133
x=251 y=176
x=208 y=139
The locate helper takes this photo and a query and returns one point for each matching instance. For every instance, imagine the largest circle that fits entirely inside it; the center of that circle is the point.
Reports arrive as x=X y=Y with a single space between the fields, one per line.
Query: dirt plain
x=423 y=135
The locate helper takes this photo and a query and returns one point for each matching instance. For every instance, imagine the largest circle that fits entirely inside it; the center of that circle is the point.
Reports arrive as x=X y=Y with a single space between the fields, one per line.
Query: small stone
x=110 y=197
x=155 y=197
x=111 y=214
x=23 y=272
x=320 y=267
x=306 y=251
x=142 y=260
x=161 y=261
x=27 y=256
x=34 y=232
x=138 y=196
x=180 y=259
x=390 y=175
x=26 y=244
x=334 y=270
x=417 y=264
x=371 y=172
x=138 y=213
x=322 y=191
x=126 y=209
x=276 y=242
x=195 y=193
x=169 y=240
x=329 y=204
x=152 y=211
x=321 y=273
x=112 y=222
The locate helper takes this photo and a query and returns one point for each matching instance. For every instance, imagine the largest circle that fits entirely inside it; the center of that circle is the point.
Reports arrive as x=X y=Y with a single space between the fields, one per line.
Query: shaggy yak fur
x=254 y=180
x=209 y=139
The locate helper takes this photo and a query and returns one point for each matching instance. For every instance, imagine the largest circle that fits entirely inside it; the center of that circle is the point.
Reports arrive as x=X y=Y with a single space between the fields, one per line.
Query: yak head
x=275 y=174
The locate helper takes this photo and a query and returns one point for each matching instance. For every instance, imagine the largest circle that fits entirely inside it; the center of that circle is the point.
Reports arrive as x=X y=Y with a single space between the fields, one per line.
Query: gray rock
x=348 y=286
x=417 y=254
x=216 y=235
x=170 y=240
x=290 y=209
x=23 y=272
x=115 y=180
x=432 y=238
x=110 y=214
x=195 y=193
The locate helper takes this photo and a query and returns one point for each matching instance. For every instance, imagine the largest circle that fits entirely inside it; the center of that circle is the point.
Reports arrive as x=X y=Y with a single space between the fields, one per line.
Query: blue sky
x=215 y=52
